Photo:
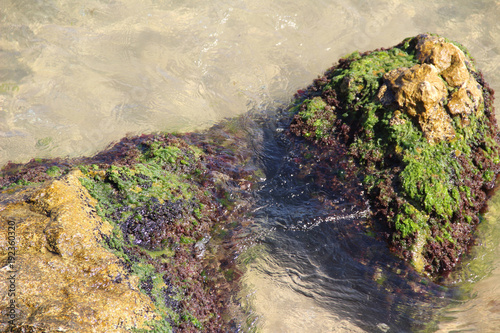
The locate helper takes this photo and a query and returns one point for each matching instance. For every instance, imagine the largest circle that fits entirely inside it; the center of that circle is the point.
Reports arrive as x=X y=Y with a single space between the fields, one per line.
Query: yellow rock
x=466 y=100
x=62 y=276
x=423 y=91
x=447 y=57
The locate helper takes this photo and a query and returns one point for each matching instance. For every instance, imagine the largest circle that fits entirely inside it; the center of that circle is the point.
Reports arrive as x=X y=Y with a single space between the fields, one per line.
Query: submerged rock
x=418 y=121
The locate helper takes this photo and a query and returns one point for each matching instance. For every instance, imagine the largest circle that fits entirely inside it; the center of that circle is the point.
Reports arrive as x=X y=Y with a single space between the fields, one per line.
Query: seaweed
x=426 y=193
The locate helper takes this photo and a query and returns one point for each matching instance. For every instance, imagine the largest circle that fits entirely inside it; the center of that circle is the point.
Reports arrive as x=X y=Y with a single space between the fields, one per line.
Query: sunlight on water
x=479 y=277
x=77 y=75
x=278 y=308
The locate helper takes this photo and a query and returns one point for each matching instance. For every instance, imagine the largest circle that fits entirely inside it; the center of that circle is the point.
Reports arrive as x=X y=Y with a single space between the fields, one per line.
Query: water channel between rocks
x=75 y=76
x=315 y=267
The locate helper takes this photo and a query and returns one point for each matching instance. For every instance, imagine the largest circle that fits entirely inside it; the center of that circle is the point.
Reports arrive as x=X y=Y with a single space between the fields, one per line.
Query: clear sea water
x=78 y=75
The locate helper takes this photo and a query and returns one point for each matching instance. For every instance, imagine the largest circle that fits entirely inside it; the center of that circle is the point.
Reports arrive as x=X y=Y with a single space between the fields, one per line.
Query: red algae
x=418 y=122
x=165 y=197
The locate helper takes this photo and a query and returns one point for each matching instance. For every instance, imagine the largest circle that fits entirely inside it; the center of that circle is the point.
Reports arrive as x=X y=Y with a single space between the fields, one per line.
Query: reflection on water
x=76 y=75
x=282 y=309
x=479 y=277
x=317 y=268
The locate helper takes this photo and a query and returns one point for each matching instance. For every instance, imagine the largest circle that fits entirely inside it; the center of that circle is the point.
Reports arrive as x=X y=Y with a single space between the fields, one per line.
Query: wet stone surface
x=162 y=198
x=418 y=121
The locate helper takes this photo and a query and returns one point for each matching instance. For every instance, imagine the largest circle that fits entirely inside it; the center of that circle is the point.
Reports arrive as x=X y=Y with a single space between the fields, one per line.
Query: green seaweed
x=359 y=83
x=156 y=326
x=137 y=185
x=54 y=171
x=421 y=186
x=159 y=174
x=8 y=87
x=314 y=115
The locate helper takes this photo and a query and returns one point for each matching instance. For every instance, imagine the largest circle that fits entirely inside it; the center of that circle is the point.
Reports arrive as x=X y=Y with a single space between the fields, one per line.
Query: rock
x=64 y=278
x=450 y=61
x=468 y=99
x=420 y=92
x=129 y=239
x=419 y=122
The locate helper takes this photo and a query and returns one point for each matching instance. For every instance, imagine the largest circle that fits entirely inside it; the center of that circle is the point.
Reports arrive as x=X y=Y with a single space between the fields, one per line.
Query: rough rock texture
x=448 y=59
x=148 y=249
x=422 y=90
x=62 y=277
x=418 y=121
x=412 y=128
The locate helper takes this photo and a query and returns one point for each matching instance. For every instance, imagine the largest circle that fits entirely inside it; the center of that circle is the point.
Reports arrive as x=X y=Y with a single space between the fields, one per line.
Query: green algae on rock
x=418 y=120
x=159 y=199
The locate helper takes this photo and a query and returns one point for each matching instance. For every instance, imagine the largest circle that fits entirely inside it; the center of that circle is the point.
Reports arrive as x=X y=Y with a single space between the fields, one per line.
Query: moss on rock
x=161 y=199
x=418 y=119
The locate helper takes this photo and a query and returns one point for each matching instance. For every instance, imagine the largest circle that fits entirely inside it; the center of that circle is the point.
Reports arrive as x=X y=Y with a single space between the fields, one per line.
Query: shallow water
x=317 y=269
x=478 y=308
x=75 y=76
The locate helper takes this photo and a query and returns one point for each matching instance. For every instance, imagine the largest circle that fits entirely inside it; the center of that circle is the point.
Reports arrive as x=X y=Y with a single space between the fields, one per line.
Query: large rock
x=60 y=275
x=121 y=240
x=418 y=120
